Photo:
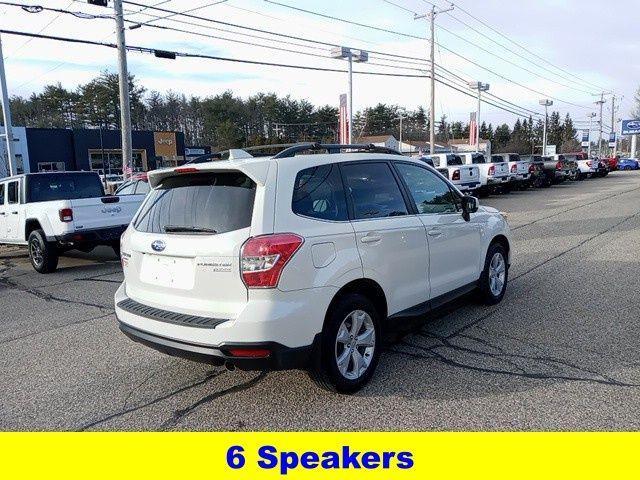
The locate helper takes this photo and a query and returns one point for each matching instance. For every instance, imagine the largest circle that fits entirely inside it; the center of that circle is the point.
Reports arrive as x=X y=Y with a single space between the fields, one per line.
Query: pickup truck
x=58 y=211
x=465 y=178
x=584 y=166
x=542 y=175
x=569 y=164
x=493 y=176
x=561 y=171
x=520 y=170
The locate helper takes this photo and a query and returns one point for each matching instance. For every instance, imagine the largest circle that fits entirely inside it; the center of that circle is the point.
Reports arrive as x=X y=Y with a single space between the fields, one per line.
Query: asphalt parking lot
x=561 y=352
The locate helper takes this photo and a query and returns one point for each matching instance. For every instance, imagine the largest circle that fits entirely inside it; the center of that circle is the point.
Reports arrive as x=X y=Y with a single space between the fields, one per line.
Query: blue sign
x=630 y=127
x=585 y=136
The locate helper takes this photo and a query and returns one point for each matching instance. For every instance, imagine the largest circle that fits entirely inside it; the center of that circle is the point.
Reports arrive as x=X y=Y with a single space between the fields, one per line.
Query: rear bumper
x=465 y=187
x=497 y=180
x=279 y=357
x=100 y=236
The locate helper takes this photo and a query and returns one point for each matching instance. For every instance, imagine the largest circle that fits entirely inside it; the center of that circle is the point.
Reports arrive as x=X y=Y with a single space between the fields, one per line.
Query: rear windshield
x=514 y=158
x=215 y=202
x=47 y=187
x=497 y=159
x=454 y=160
x=478 y=158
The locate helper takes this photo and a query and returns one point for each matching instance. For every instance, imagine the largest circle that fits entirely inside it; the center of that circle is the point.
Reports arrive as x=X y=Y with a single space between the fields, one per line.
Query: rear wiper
x=187 y=229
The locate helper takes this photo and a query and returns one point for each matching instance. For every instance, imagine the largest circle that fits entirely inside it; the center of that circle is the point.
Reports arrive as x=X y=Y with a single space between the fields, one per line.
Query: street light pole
x=432 y=109
x=123 y=76
x=351 y=56
x=480 y=87
x=6 y=114
x=546 y=103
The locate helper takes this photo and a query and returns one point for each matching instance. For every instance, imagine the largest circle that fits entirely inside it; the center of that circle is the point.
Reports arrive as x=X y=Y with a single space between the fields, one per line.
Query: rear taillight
x=186 y=170
x=559 y=166
x=514 y=168
x=456 y=175
x=532 y=168
x=492 y=170
x=589 y=163
x=66 y=215
x=263 y=258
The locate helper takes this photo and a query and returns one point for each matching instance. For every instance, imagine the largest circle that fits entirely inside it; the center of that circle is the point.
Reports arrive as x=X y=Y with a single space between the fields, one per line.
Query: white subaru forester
x=301 y=260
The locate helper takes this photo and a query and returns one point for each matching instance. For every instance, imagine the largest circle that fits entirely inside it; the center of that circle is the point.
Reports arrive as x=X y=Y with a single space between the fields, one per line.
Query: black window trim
x=412 y=201
x=3 y=189
x=11 y=182
x=350 y=208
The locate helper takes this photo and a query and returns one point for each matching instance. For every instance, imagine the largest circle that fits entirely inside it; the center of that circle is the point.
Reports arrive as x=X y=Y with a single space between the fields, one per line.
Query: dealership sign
x=585 y=138
x=630 y=127
x=612 y=139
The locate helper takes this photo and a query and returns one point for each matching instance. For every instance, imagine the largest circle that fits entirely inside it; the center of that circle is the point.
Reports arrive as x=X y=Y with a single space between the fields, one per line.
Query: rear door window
x=203 y=203
x=12 y=192
x=318 y=193
x=374 y=191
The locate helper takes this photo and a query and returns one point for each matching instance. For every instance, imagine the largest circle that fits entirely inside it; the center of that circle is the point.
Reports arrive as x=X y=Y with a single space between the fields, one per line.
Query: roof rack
x=334 y=148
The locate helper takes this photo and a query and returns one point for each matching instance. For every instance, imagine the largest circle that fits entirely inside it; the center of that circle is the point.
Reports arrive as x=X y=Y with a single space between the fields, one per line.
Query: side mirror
x=469 y=205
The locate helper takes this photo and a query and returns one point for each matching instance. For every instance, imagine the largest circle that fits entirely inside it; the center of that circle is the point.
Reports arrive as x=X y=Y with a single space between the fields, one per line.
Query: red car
x=612 y=162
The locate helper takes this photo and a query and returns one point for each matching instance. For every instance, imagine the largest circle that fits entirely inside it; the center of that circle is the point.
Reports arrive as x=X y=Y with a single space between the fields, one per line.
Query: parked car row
x=478 y=174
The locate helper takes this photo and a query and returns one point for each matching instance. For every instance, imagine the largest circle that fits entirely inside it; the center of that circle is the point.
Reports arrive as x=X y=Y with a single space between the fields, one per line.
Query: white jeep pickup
x=58 y=211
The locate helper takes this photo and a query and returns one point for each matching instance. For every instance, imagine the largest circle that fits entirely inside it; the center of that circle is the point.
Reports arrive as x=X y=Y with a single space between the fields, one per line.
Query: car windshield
x=48 y=187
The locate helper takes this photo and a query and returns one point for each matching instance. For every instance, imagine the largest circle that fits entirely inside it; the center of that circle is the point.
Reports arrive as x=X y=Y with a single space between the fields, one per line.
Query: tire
x=489 y=295
x=43 y=254
x=326 y=371
x=116 y=248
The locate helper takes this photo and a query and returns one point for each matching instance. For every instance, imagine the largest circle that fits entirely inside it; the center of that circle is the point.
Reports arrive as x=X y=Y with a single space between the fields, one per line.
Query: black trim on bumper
x=99 y=236
x=281 y=357
x=152 y=313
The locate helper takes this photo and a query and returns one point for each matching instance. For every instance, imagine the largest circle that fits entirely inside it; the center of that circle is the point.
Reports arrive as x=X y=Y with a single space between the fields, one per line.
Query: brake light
x=66 y=215
x=589 y=163
x=263 y=258
x=492 y=170
x=186 y=170
x=456 y=175
x=559 y=166
x=531 y=168
x=514 y=168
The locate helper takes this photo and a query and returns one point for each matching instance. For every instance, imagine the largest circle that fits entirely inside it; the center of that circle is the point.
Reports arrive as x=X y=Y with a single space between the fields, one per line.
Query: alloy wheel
x=497 y=274
x=355 y=344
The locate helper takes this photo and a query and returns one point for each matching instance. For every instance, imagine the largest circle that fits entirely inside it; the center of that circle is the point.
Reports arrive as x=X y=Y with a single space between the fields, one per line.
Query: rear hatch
x=184 y=247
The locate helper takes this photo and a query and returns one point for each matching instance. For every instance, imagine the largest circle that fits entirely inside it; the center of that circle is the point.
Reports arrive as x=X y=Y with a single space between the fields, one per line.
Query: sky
x=575 y=49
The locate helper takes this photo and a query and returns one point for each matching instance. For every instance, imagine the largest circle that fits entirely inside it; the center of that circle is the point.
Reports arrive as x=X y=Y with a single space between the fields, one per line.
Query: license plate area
x=165 y=271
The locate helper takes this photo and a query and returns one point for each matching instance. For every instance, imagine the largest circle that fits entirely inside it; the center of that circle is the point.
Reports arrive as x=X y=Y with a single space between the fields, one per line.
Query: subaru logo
x=634 y=124
x=158 y=245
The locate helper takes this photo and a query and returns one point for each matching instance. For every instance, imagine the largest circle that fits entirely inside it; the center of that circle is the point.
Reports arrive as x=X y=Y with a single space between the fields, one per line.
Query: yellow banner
x=319 y=455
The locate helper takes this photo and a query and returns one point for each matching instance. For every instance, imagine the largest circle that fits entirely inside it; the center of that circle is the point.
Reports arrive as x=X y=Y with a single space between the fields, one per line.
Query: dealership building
x=60 y=149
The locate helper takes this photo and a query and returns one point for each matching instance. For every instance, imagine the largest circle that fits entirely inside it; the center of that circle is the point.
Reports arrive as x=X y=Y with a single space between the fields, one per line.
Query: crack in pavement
x=444 y=346
x=209 y=376
x=574 y=208
x=148 y=377
x=178 y=415
x=40 y=332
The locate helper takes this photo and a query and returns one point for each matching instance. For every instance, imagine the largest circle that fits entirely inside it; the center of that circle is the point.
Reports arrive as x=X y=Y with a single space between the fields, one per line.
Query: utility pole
x=546 y=103
x=432 y=110
x=123 y=76
x=401 y=117
x=591 y=115
x=601 y=103
x=613 y=124
x=6 y=114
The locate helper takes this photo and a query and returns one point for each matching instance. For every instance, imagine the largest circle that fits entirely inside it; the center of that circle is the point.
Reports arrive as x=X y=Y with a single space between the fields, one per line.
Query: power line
x=395 y=32
x=153 y=51
x=206 y=5
x=462 y=9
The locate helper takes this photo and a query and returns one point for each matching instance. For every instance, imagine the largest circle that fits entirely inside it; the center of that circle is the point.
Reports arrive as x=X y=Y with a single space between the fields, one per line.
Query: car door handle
x=371 y=238
x=2 y=213
x=14 y=213
x=434 y=233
